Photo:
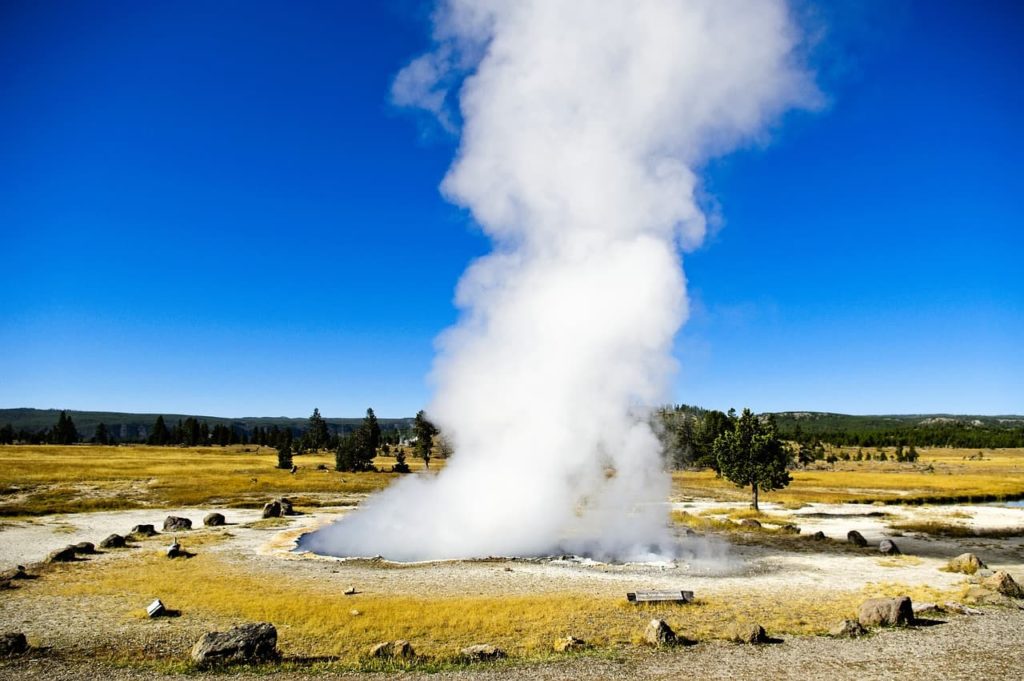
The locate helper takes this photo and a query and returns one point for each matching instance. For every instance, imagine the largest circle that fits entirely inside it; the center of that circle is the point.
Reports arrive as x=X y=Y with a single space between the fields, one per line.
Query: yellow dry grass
x=44 y=479
x=940 y=475
x=315 y=619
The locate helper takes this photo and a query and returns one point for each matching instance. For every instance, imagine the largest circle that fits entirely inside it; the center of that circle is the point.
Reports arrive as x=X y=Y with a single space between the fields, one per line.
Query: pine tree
x=372 y=430
x=425 y=432
x=316 y=436
x=64 y=433
x=400 y=465
x=160 y=435
x=752 y=455
x=101 y=436
x=284 y=457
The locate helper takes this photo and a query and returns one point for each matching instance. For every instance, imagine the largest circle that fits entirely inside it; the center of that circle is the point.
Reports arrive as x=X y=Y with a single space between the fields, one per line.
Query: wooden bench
x=659 y=596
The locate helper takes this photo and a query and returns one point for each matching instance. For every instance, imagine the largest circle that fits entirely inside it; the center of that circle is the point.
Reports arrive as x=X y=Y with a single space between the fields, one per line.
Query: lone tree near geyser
x=284 y=456
x=425 y=432
x=752 y=455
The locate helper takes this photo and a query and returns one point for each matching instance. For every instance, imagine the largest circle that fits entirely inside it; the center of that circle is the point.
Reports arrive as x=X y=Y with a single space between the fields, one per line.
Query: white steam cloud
x=581 y=126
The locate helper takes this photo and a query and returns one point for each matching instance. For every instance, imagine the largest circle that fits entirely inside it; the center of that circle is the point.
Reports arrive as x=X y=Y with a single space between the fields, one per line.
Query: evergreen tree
x=101 y=436
x=425 y=432
x=400 y=465
x=7 y=435
x=284 y=457
x=316 y=436
x=372 y=430
x=64 y=433
x=160 y=435
x=752 y=455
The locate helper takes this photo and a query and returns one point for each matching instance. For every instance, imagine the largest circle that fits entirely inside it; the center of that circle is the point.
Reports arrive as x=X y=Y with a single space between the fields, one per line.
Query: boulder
x=1004 y=584
x=856 y=538
x=393 y=650
x=214 y=520
x=64 y=555
x=818 y=536
x=569 y=644
x=658 y=633
x=144 y=531
x=13 y=643
x=889 y=548
x=175 y=523
x=482 y=652
x=286 y=506
x=747 y=632
x=750 y=522
x=847 y=629
x=886 y=612
x=85 y=547
x=272 y=509
x=967 y=563
x=244 y=644
x=114 y=541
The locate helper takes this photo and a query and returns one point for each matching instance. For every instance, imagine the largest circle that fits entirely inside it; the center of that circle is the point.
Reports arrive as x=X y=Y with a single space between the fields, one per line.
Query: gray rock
x=214 y=520
x=569 y=644
x=114 y=541
x=245 y=644
x=144 y=531
x=966 y=563
x=847 y=629
x=748 y=632
x=286 y=506
x=64 y=555
x=13 y=643
x=889 y=548
x=85 y=547
x=482 y=652
x=855 y=537
x=886 y=612
x=750 y=522
x=658 y=633
x=393 y=650
x=790 y=529
x=175 y=523
x=960 y=609
x=818 y=536
x=272 y=509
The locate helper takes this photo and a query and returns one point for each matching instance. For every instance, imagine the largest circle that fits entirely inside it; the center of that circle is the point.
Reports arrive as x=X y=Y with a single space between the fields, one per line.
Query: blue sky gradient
x=213 y=208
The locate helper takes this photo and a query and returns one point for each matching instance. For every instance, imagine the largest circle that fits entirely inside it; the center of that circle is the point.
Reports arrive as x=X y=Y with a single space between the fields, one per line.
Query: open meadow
x=775 y=572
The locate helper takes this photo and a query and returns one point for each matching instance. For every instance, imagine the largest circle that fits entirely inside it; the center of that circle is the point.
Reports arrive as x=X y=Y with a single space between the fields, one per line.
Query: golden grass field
x=44 y=479
x=941 y=474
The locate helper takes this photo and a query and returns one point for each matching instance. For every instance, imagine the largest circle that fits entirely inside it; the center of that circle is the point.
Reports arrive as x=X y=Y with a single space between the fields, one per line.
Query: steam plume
x=582 y=124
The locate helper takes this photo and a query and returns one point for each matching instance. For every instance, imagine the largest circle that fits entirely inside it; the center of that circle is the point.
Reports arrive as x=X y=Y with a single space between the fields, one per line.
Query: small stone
x=64 y=555
x=569 y=644
x=482 y=652
x=658 y=633
x=750 y=522
x=85 y=547
x=1004 y=584
x=351 y=591
x=966 y=563
x=13 y=643
x=856 y=538
x=177 y=524
x=886 y=612
x=214 y=520
x=888 y=547
x=355 y=613
x=847 y=629
x=748 y=632
x=818 y=536
x=144 y=531
x=400 y=649
x=114 y=541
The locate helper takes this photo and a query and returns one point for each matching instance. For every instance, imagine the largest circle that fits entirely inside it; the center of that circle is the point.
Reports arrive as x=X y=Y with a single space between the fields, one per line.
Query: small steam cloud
x=581 y=128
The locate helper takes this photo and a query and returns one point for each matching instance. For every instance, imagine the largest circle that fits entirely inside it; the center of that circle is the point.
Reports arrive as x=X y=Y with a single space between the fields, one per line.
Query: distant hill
x=952 y=429
x=132 y=427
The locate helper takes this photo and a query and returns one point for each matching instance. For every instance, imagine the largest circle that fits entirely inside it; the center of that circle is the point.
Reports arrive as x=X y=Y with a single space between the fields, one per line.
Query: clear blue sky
x=212 y=208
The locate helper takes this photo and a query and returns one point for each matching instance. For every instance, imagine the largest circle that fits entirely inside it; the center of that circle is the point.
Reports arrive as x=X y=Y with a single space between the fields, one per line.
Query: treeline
x=688 y=434
x=193 y=432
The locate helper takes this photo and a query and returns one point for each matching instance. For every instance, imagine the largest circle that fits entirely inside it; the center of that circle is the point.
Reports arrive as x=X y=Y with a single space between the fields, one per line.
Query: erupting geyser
x=581 y=125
